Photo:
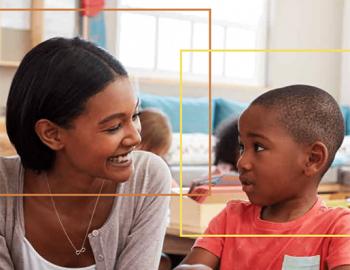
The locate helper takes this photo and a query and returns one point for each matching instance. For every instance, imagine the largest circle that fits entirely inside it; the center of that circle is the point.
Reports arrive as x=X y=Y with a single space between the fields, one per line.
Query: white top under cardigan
x=33 y=260
x=133 y=234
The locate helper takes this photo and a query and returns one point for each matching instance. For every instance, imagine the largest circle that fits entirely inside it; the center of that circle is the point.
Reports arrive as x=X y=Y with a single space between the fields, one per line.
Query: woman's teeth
x=120 y=159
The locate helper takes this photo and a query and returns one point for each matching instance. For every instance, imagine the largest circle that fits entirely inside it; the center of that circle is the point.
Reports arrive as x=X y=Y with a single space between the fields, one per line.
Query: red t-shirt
x=271 y=253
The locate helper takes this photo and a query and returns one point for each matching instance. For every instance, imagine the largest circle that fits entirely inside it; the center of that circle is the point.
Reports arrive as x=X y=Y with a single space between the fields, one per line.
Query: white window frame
x=155 y=73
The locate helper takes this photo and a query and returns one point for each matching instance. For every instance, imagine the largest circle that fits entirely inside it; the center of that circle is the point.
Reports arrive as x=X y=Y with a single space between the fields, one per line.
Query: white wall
x=305 y=24
x=294 y=24
x=345 y=72
x=198 y=89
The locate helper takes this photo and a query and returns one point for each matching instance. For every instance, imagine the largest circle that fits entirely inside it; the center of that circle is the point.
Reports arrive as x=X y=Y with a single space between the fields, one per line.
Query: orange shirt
x=270 y=253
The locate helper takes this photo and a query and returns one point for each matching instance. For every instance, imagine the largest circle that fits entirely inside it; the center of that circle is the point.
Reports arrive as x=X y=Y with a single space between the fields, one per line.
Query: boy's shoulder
x=238 y=207
x=233 y=204
x=335 y=217
x=335 y=213
x=322 y=208
x=332 y=209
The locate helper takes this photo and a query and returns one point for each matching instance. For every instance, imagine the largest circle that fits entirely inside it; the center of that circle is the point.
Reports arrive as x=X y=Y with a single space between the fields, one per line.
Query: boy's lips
x=247 y=185
x=245 y=181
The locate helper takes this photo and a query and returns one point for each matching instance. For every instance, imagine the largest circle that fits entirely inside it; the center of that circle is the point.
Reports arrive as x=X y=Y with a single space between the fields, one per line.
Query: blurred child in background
x=226 y=153
x=156 y=133
x=227 y=147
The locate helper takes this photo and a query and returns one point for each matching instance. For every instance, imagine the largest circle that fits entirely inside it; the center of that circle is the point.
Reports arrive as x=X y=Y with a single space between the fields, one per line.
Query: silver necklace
x=82 y=249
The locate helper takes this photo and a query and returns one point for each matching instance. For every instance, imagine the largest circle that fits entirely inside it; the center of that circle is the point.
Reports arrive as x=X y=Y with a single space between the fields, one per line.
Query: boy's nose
x=243 y=164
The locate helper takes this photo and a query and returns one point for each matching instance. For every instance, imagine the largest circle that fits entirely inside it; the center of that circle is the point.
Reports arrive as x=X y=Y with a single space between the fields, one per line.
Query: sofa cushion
x=347 y=125
x=346 y=114
x=227 y=108
x=195 y=149
x=195 y=111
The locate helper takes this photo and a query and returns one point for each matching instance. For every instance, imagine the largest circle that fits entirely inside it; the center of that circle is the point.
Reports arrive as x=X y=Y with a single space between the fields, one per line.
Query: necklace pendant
x=79 y=251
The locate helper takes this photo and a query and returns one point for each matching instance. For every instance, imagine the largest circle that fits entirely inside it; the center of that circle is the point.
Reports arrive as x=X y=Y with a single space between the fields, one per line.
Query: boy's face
x=271 y=162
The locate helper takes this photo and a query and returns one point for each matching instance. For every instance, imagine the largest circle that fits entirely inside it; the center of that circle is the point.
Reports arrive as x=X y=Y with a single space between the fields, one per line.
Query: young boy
x=288 y=137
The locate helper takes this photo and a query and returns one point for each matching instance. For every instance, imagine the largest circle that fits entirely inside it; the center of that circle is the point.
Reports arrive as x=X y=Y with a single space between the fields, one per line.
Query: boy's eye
x=258 y=147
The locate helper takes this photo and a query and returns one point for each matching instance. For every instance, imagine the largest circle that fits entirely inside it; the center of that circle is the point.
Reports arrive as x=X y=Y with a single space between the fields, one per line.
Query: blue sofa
x=196 y=118
x=195 y=111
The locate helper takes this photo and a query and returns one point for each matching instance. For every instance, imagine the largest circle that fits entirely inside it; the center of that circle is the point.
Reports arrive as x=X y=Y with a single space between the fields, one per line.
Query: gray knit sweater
x=132 y=236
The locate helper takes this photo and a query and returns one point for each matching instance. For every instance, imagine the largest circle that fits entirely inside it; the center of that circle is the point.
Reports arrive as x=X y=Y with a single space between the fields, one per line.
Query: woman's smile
x=124 y=160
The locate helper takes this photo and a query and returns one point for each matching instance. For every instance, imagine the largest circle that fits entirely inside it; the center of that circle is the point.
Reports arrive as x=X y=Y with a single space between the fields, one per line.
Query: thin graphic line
x=267 y=50
x=105 y=9
x=266 y=235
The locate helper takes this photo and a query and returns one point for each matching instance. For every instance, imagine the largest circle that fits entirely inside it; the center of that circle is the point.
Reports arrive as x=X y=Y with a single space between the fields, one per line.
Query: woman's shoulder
x=10 y=168
x=145 y=156
x=10 y=161
x=151 y=172
x=144 y=160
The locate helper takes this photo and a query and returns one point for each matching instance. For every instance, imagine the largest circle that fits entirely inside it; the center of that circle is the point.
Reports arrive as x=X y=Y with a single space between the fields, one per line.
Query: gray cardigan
x=132 y=236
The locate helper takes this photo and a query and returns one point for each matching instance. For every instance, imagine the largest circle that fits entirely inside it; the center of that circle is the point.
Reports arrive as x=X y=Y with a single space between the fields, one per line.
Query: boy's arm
x=193 y=267
x=205 y=255
x=199 y=259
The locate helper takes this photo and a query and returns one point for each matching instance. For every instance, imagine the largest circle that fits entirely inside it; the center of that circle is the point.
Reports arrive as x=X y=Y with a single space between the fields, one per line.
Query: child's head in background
x=227 y=147
x=156 y=133
x=288 y=139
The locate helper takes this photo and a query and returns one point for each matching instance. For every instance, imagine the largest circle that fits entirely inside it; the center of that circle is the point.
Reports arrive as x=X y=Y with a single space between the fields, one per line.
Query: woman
x=73 y=119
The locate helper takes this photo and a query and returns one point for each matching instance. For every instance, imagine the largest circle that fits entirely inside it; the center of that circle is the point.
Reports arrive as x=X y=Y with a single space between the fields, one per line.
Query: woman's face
x=102 y=138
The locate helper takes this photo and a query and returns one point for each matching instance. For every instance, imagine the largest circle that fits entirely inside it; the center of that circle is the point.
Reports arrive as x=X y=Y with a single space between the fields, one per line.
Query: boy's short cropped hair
x=54 y=81
x=309 y=114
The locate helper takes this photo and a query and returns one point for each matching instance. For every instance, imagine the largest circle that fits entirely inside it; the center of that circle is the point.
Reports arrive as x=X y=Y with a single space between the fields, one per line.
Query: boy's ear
x=49 y=134
x=317 y=158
